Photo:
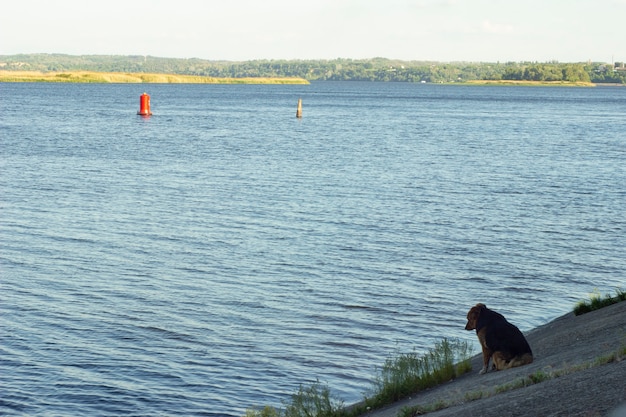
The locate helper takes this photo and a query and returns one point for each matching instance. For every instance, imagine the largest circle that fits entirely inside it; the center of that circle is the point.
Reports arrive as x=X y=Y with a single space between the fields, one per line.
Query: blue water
x=219 y=254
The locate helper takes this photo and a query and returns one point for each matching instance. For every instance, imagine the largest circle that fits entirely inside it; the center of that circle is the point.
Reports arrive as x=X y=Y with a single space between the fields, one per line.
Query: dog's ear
x=481 y=306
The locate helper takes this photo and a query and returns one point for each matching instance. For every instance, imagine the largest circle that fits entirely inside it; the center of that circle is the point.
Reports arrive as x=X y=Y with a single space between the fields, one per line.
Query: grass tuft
x=266 y=411
x=597 y=301
x=311 y=401
x=409 y=373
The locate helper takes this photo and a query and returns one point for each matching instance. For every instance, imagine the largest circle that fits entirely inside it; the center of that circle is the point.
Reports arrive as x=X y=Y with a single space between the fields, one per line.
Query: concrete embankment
x=579 y=370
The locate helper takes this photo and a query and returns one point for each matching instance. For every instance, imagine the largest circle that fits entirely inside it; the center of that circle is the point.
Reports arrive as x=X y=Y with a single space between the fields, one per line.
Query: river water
x=215 y=256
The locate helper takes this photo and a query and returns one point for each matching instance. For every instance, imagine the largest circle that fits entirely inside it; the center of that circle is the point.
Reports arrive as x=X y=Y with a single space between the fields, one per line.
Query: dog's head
x=472 y=316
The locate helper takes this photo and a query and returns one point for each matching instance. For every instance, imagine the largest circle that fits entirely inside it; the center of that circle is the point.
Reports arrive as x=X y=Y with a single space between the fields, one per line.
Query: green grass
x=314 y=400
x=597 y=301
x=400 y=376
x=532 y=379
x=406 y=374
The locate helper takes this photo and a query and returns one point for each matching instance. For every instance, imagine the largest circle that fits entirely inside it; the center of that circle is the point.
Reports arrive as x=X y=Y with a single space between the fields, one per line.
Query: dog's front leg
x=486 y=358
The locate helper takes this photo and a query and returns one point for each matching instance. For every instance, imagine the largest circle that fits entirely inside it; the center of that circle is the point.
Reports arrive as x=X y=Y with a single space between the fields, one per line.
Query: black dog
x=498 y=338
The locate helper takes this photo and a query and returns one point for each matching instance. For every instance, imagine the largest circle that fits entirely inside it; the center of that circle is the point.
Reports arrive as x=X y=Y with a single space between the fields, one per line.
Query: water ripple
x=219 y=254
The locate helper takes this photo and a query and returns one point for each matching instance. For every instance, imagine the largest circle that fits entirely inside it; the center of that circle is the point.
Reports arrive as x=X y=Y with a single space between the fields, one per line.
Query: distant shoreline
x=339 y=69
x=531 y=83
x=92 y=77
x=95 y=77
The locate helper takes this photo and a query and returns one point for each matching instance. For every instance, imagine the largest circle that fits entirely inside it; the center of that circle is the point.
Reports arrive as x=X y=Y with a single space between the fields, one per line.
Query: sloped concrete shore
x=571 y=375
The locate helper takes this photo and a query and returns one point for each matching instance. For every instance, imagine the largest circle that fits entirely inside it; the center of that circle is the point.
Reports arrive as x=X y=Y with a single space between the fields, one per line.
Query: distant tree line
x=375 y=69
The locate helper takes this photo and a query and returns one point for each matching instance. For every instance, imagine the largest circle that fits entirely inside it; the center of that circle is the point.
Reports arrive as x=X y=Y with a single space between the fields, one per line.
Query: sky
x=239 y=30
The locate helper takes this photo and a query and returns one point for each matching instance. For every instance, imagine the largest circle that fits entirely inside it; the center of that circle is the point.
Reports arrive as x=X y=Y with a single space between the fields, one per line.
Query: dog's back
x=502 y=336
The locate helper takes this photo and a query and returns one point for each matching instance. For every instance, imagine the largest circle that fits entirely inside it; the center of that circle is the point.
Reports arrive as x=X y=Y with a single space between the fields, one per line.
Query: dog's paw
x=483 y=371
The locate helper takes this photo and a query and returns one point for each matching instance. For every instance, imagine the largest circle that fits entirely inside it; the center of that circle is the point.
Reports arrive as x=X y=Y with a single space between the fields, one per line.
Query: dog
x=499 y=339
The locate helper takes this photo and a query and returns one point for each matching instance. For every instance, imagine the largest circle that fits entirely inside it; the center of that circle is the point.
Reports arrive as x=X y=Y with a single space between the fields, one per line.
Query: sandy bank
x=127 y=78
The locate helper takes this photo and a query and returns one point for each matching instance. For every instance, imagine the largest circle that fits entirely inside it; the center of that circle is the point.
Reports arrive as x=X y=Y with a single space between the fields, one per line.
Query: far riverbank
x=523 y=83
x=128 y=78
x=158 y=78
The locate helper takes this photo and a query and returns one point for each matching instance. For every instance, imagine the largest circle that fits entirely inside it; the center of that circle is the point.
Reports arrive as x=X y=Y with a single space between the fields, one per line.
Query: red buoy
x=144 y=105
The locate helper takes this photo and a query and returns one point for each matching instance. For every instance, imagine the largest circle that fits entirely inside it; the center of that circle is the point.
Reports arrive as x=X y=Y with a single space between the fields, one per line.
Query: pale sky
x=236 y=30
